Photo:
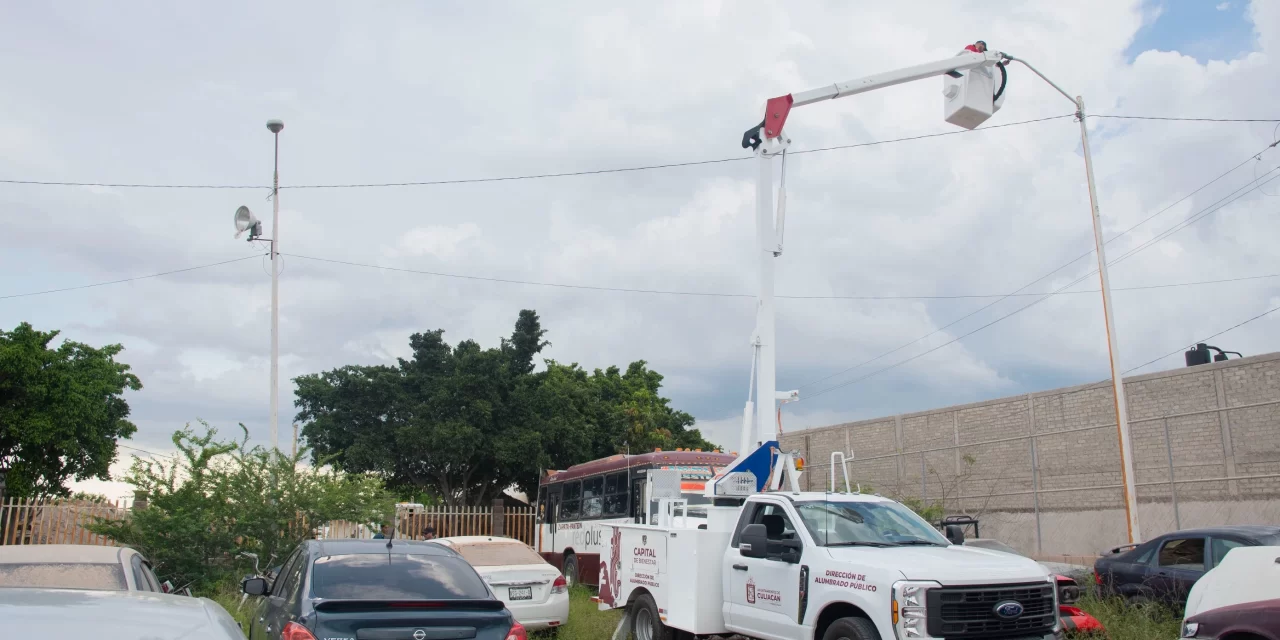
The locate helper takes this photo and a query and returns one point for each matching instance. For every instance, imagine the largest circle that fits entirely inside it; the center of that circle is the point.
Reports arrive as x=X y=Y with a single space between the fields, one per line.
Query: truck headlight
x=910 y=615
x=1190 y=629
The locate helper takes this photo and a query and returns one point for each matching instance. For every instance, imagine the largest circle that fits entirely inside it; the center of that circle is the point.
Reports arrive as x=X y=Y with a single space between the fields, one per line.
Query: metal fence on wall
x=1042 y=471
x=65 y=522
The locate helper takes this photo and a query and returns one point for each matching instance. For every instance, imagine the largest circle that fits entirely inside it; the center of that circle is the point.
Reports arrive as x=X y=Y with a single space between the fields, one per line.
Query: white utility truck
x=777 y=563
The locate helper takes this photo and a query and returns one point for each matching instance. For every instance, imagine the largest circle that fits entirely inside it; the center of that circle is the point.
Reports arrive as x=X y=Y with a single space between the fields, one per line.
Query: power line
x=103 y=284
x=1267 y=120
x=1206 y=339
x=535 y=176
x=1015 y=292
x=710 y=294
x=1186 y=222
x=125 y=446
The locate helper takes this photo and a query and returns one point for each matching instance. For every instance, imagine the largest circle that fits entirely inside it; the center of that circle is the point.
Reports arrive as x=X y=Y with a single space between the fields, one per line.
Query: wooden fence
x=63 y=522
x=55 y=522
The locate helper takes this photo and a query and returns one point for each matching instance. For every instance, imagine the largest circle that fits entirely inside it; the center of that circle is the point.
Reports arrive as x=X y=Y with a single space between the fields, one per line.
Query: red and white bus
x=574 y=502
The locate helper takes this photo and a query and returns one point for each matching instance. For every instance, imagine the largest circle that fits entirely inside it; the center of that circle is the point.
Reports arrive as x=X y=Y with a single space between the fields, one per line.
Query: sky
x=436 y=92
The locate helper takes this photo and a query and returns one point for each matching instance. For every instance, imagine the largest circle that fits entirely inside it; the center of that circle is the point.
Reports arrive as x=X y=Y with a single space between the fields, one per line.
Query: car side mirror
x=254 y=586
x=955 y=533
x=754 y=542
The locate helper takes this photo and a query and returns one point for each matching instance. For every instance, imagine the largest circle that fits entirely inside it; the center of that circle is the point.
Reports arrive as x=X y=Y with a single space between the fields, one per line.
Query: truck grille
x=969 y=612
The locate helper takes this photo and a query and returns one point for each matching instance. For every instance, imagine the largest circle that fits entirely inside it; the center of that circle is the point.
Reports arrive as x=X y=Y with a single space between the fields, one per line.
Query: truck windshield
x=835 y=524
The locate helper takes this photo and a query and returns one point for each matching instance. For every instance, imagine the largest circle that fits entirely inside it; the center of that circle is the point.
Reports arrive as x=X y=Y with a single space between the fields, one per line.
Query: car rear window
x=380 y=576
x=64 y=575
x=497 y=554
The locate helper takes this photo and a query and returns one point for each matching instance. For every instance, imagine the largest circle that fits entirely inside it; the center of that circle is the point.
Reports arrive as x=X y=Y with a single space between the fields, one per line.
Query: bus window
x=592 y=498
x=615 y=495
x=569 y=508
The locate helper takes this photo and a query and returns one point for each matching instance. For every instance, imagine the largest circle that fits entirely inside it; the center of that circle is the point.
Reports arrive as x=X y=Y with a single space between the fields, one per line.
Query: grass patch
x=586 y=622
x=1123 y=621
x=229 y=597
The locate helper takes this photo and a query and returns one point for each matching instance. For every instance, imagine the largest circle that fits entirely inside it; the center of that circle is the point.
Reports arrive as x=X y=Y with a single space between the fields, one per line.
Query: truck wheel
x=851 y=629
x=571 y=569
x=645 y=623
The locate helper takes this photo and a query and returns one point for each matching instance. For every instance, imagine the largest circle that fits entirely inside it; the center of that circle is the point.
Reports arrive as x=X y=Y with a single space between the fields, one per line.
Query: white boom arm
x=766 y=140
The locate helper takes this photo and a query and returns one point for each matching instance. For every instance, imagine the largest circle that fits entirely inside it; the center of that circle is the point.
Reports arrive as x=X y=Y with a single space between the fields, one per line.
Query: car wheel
x=645 y=623
x=571 y=570
x=851 y=629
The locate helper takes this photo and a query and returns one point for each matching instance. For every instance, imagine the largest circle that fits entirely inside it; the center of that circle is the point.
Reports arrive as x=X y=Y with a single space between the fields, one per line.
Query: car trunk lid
x=412 y=619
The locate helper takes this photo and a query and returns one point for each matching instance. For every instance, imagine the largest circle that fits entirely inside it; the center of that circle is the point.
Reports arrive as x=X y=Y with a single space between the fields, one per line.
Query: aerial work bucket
x=970 y=97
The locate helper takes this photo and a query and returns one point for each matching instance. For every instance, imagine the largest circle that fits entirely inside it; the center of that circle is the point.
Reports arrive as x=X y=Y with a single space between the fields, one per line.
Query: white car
x=76 y=566
x=535 y=592
x=1239 y=598
x=112 y=615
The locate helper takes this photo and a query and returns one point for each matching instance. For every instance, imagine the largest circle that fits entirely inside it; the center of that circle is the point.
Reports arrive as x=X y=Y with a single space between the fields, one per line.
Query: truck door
x=764 y=595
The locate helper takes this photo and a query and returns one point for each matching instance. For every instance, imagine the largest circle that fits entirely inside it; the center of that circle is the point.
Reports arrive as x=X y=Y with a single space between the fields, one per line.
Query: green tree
x=216 y=499
x=465 y=422
x=61 y=411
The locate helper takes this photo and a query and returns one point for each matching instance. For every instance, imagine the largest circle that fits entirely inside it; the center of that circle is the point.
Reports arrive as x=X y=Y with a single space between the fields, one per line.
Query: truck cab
x=826 y=566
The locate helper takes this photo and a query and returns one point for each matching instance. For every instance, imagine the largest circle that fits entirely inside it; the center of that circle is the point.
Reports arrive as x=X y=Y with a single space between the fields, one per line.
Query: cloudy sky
x=412 y=92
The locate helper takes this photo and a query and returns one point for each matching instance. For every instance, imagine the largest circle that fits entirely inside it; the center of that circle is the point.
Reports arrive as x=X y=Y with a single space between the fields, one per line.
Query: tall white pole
x=1113 y=346
x=275 y=126
x=766 y=346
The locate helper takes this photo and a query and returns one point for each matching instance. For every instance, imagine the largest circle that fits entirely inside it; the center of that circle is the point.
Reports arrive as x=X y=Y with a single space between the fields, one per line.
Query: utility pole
x=295 y=440
x=275 y=126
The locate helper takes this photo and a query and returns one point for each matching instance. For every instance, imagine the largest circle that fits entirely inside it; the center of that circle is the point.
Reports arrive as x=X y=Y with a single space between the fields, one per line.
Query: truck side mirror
x=754 y=542
x=955 y=533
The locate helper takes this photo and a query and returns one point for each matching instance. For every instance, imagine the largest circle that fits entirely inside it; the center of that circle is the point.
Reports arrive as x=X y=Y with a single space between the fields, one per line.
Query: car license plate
x=520 y=593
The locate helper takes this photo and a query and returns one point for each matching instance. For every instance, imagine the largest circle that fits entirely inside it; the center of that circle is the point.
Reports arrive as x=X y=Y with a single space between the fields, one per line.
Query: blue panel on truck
x=760 y=462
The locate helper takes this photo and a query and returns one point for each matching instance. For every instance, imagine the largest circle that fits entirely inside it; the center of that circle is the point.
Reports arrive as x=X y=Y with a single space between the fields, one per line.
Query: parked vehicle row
x=468 y=587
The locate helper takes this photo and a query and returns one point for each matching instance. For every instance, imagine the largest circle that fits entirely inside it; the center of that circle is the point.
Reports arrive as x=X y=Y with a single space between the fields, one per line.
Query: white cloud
x=1223 y=6
x=406 y=93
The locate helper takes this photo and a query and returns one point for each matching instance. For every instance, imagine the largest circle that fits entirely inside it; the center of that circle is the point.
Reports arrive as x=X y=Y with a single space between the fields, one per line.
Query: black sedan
x=1164 y=568
x=377 y=590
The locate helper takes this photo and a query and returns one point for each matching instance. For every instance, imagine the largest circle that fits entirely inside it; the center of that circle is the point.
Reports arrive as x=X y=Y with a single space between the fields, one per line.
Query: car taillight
x=295 y=631
x=560 y=585
x=517 y=632
x=1097 y=578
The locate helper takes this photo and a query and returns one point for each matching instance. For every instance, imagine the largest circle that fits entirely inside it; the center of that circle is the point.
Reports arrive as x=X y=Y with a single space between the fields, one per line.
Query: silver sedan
x=112 y=615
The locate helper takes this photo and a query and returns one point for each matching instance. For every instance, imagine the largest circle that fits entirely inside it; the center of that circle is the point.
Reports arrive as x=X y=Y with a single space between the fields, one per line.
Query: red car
x=1075 y=622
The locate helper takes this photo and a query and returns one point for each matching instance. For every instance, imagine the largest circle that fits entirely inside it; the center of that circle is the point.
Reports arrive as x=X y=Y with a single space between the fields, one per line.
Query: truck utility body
x=791 y=565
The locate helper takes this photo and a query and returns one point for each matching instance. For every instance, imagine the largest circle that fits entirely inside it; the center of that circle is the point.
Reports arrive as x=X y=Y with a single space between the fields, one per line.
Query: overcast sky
x=416 y=91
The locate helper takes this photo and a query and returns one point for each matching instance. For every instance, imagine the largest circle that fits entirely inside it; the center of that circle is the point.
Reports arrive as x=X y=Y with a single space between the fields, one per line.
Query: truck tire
x=645 y=623
x=571 y=569
x=851 y=629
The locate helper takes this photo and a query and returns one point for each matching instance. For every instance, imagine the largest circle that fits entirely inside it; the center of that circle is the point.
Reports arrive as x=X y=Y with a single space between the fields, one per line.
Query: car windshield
x=381 y=576
x=64 y=575
x=499 y=554
x=870 y=523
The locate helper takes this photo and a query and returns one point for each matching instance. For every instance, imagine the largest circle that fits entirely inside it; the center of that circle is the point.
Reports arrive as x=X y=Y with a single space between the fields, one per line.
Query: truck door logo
x=751 y=591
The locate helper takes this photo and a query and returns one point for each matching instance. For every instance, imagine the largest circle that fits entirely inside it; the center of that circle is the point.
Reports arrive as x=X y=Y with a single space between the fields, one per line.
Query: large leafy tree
x=216 y=499
x=61 y=410
x=465 y=422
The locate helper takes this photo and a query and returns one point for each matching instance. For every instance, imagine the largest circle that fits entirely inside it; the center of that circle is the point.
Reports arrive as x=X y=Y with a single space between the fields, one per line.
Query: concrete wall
x=1043 y=469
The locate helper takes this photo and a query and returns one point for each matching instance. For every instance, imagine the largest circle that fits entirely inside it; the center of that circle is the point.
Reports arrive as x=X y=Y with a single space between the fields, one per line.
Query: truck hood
x=954 y=565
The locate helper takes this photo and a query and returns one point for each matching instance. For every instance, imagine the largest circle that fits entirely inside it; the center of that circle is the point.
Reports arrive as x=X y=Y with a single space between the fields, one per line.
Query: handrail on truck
x=844 y=464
